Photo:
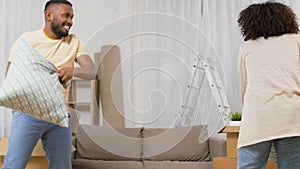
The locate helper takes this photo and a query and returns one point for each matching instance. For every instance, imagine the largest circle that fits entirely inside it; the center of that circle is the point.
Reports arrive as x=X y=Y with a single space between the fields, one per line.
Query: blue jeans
x=24 y=134
x=256 y=156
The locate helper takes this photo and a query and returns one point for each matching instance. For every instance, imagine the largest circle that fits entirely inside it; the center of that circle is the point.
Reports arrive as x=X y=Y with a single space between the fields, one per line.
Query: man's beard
x=55 y=27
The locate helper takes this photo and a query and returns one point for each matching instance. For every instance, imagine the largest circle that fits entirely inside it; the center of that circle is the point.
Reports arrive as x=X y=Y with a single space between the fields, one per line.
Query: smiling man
x=62 y=49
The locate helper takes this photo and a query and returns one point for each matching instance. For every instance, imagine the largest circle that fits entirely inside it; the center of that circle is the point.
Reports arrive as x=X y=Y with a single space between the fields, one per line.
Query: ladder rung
x=188 y=116
x=198 y=67
x=193 y=87
x=188 y=107
x=218 y=87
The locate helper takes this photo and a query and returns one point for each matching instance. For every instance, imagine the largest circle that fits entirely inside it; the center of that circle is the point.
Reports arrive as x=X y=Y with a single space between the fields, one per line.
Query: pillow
x=177 y=144
x=31 y=88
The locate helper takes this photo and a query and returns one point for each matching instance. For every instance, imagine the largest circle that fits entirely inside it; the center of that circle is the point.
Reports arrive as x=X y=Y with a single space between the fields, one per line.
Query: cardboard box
x=231 y=163
x=232 y=134
x=38 y=157
x=225 y=163
x=37 y=160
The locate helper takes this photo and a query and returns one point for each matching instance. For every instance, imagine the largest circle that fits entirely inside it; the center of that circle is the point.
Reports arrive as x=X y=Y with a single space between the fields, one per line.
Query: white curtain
x=161 y=62
x=169 y=36
x=16 y=17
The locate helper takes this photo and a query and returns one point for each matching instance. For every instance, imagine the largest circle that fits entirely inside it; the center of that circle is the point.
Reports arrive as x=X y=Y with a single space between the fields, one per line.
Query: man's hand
x=86 y=70
x=65 y=74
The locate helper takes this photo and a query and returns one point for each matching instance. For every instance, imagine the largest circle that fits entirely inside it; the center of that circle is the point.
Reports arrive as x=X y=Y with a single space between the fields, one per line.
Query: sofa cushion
x=100 y=164
x=106 y=143
x=177 y=165
x=179 y=144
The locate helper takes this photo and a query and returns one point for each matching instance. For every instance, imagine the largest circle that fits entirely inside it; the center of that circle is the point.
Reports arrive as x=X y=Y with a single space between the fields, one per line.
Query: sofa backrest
x=178 y=144
x=136 y=144
x=106 y=143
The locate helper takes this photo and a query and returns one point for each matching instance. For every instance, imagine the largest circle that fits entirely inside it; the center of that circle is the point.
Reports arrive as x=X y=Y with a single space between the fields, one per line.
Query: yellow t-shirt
x=61 y=52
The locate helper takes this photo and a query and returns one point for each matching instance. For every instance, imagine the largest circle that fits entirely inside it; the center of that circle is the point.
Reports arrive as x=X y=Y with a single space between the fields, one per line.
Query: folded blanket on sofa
x=32 y=88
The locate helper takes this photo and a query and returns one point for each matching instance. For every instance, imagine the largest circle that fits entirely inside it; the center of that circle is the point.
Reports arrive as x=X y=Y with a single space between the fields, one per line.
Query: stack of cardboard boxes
x=230 y=161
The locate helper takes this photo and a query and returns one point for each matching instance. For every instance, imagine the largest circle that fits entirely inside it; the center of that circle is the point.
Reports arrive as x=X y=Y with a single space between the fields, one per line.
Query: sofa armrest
x=217 y=147
x=74 y=142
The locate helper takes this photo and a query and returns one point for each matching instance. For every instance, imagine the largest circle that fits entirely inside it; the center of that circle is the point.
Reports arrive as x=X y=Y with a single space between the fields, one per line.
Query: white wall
x=92 y=15
x=91 y=18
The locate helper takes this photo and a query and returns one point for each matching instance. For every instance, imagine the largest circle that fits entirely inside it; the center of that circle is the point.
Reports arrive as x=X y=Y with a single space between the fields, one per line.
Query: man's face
x=62 y=20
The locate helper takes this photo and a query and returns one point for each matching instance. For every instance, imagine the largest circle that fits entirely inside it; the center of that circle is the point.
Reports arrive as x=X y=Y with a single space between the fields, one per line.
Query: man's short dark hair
x=51 y=2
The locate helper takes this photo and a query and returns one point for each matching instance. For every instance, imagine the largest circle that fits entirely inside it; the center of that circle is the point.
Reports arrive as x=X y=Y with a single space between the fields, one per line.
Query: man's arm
x=86 y=70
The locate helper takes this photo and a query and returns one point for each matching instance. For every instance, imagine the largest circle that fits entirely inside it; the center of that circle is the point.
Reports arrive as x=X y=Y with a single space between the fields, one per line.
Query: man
x=62 y=49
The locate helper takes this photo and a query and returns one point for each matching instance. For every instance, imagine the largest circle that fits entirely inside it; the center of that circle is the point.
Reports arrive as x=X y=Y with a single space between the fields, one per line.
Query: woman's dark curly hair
x=266 y=20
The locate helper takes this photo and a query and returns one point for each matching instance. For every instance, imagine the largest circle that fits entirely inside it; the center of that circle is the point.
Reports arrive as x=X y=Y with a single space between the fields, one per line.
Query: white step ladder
x=203 y=68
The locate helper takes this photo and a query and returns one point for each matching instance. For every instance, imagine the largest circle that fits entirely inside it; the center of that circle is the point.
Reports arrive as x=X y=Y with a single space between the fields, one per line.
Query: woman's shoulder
x=291 y=36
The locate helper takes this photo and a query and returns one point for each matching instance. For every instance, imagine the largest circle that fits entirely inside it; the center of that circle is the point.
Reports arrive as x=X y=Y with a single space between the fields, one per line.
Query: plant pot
x=234 y=123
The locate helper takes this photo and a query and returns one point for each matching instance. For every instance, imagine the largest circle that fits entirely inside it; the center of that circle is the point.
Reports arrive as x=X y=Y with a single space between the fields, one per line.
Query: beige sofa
x=145 y=148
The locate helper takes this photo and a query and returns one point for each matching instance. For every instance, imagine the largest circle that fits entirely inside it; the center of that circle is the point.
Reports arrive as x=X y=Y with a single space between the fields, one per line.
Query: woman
x=269 y=78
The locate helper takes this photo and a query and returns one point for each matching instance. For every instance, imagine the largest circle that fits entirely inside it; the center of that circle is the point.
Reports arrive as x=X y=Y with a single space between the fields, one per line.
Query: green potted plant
x=235 y=118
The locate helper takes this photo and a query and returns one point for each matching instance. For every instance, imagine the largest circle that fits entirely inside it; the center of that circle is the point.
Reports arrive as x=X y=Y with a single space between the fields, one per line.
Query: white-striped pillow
x=31 y=87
